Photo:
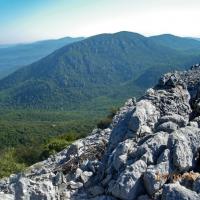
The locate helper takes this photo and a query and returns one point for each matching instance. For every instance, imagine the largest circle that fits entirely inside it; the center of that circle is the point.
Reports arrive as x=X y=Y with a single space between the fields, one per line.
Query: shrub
x=53 y=146
x=105 y=123
x=28 y=154
x=9 y=163
x=70 y=137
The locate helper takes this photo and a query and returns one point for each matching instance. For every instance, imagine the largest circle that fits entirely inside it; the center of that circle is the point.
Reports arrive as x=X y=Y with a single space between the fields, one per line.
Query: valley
x=57 y=99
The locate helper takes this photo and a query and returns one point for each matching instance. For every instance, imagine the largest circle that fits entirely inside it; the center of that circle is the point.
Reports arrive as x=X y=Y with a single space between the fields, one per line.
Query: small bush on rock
x=105 y=123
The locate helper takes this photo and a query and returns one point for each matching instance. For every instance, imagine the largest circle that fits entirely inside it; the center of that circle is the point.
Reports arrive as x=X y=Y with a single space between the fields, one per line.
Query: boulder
x=144 y=197
x=182 y=156
x=129 y=183
x=96 y=190
x=196 y=185
x=119 y=155
x=4 y=196
x=185 y=142
x=175 y=118
x=156 y=176
x=168 y=127
x=145 y=114
x=85 y=176
x=152 y=148
x=176 y=191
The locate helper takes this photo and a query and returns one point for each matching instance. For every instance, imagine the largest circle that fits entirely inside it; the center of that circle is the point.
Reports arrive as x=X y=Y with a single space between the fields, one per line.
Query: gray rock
x=176 y=191
x=85 y=176
x=43 y=190
x=119 y=155
x=182 y=159
x=143 y=197
x=21 y=188
x=6 y=196
x=196 y=185
x=175 y=118
x=103 y=197
x=145 y=114
x=194 y=124
x=129 y=183
x=75 y=185
x=156 y=176
x=96 y=190
x=153 y=147
x=170 y=80
x=187 y=138
x=197 y=107
x=78 y=173
x=168 y=127
x=197 y=120
x=59 y=179
x=120 y=126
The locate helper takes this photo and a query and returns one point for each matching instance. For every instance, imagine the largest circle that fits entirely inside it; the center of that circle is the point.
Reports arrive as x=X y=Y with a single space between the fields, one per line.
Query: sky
x=24 y=21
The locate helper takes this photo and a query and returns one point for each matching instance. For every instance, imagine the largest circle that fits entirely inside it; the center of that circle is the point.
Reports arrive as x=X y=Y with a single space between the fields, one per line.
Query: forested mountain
x=12 y=57
x=99 y=66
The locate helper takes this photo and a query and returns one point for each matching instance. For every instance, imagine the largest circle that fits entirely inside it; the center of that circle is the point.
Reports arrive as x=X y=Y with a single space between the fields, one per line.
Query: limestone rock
x=145 y=114
x=196 y=185
x=85 y=176
x=168 y=127
x=176 y=191
x=156 y=176
x=6 y=196
x=96 y=190
x=129 y=183
x=186 y=142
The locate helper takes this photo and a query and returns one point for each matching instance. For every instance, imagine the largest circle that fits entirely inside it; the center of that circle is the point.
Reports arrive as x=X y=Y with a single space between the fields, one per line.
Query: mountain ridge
x=90 y=68
x=13 y=57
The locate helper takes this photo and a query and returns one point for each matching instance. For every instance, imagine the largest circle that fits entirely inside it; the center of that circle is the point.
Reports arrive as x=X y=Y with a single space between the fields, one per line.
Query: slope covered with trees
x=102 y=65
x=13 y=57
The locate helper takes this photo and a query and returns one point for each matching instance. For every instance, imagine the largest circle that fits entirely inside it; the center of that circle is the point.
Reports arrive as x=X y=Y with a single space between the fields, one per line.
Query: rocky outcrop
x=150 y=151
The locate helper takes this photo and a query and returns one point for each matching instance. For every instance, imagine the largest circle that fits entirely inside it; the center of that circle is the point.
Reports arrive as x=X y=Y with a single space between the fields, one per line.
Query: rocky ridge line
x=150 y=151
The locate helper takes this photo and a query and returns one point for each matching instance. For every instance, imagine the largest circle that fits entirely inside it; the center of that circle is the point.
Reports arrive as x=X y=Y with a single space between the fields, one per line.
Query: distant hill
x=12 y=57
x=197 y=39
x=178 y=43
x=111 y=66
x=6 y=45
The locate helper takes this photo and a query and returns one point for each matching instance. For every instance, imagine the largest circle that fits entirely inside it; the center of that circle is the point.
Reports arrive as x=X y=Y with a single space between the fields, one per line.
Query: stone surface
x=96 y=190
x=129 y=183
x=6 y=196
x=186 y=142
x=85 y=176
x=168 y=127
x=156 y=176
x=196 y=185
x=176 y=191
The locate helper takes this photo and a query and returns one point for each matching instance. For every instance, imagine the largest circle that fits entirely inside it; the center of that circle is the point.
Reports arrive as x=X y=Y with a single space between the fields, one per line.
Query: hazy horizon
x=29 y=21
x=46 y=39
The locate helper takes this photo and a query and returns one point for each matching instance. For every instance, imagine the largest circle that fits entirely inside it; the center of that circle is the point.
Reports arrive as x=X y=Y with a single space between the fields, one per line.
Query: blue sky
x=31 y=20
